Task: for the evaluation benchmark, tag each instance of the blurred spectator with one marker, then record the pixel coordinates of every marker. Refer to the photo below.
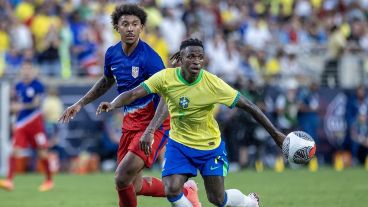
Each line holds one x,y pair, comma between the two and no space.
154,38
356,117
286,107
48,56
359,135
21,36
86,52
290,67
4,37
336,45
169,24
110,139
66,40
25,11
154,16
230,70
308,108
258,34
52,108
215,49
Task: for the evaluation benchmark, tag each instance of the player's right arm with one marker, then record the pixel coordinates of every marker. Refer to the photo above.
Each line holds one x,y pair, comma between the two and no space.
162,112
151,85
123,99
261,118
97,90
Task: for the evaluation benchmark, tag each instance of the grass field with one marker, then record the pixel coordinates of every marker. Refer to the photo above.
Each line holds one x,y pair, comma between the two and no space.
296,188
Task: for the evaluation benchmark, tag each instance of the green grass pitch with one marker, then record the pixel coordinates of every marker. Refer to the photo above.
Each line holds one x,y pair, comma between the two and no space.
294,188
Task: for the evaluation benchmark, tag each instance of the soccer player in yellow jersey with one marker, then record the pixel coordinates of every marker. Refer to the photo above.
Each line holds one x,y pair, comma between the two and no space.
190,93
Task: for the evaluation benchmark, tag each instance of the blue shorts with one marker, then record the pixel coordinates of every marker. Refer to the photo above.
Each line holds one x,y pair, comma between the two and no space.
180,159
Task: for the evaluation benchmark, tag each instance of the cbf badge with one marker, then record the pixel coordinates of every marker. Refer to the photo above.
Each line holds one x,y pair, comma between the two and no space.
135,71
184,102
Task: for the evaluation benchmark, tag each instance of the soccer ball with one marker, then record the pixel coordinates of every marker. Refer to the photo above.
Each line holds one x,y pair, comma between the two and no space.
298,147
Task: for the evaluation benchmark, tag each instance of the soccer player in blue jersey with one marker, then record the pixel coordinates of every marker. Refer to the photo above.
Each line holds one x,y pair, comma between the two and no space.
29,128
190,93
129,63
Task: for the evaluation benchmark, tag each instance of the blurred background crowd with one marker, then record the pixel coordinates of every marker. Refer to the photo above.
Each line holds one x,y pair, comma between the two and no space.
303,62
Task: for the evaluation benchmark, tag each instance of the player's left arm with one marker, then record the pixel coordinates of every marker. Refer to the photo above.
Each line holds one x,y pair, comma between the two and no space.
36,102
261,118
123,99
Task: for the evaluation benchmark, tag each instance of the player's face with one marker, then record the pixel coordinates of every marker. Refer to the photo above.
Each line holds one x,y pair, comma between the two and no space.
129,27
192,59
27,73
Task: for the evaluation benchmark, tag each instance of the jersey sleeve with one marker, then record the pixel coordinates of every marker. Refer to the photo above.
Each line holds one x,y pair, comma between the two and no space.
154,84
39,88
154,64
224,93
107,67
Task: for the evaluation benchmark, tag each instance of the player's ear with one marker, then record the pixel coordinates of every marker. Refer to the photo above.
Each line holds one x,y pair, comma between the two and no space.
181,55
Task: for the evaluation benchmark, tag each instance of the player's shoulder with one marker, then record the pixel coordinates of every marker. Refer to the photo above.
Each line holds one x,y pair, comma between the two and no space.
37,83
113,49
19,84
167,71
146,48
213,80
208,75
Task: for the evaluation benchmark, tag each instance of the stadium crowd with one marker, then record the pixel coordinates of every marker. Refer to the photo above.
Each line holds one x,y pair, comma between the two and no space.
262,48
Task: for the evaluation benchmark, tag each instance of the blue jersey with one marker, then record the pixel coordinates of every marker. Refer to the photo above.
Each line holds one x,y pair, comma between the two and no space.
129,72
26,94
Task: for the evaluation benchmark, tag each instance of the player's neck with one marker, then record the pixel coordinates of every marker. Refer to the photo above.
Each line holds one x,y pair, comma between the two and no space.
27,81
189,77
129,48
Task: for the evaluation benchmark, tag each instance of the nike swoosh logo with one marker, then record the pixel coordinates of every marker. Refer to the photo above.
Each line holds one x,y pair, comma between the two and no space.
113,68
214,168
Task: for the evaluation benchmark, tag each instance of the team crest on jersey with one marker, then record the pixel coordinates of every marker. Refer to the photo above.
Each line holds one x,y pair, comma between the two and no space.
30,92
184,102
135,71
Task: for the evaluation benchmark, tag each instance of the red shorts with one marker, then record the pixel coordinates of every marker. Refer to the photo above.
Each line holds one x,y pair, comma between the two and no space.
30,133
129,141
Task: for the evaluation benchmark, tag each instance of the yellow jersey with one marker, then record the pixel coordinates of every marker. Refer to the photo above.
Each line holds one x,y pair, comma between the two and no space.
191,105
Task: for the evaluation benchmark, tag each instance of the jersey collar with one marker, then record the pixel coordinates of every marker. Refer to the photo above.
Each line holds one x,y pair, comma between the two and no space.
199,78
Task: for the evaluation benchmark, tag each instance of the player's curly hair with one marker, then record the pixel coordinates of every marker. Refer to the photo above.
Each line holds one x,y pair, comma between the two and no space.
128,9
185,43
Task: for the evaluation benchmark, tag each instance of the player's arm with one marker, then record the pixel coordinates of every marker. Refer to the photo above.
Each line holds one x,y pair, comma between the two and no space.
261,118
97,90
36,102
162,112
122,100
17,106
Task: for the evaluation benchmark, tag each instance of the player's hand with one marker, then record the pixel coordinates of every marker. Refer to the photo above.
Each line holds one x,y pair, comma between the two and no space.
146,142
104,107
280,138
70,113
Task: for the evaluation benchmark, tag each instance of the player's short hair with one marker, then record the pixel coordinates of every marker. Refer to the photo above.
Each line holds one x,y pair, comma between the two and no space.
184,44
128,9
190,42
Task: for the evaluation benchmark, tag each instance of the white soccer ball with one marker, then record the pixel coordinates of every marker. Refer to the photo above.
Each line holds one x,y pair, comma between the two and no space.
298,147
